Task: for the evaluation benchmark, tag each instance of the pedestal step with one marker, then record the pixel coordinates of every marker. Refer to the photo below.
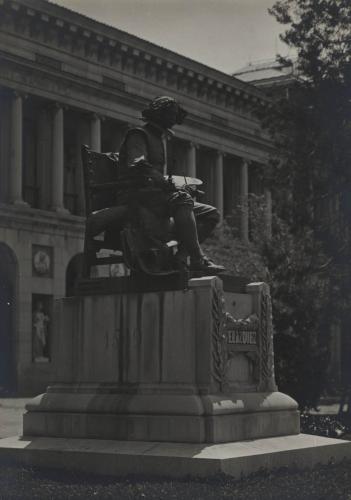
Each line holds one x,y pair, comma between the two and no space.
175,459
172,428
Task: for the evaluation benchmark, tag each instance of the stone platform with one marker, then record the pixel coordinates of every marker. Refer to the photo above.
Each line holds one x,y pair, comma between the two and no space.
166,383
152,459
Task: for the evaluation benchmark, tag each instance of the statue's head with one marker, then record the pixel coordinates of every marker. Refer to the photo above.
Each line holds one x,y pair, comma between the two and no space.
164,111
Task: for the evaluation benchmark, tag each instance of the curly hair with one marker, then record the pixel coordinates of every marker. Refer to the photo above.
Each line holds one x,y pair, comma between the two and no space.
159,106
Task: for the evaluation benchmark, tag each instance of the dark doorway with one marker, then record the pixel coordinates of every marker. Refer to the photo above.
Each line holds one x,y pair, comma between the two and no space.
8,278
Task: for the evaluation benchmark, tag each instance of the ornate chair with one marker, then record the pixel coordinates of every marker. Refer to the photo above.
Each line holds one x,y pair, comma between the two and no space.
100,183
142,240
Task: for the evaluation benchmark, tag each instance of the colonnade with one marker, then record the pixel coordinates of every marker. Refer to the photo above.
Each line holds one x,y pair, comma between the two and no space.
57,163
15,187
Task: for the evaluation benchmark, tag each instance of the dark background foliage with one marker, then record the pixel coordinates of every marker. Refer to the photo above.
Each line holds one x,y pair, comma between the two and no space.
307,260
310,177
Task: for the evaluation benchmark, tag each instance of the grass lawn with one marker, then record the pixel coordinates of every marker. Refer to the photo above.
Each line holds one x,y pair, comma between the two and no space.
330,482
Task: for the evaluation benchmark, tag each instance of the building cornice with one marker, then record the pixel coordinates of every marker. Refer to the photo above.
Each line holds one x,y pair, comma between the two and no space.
81,36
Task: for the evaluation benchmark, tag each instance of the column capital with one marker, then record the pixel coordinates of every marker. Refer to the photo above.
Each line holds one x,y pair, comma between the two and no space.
57,106
194,145
18,93
97,116
246,161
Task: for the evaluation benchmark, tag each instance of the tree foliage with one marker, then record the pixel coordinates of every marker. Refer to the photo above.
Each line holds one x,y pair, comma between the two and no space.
319,32
307,260
310,175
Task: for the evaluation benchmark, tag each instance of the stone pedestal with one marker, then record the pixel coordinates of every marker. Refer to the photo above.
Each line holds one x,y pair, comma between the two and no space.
170,366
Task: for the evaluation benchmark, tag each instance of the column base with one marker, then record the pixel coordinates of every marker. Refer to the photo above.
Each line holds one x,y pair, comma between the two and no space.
60,210
20,203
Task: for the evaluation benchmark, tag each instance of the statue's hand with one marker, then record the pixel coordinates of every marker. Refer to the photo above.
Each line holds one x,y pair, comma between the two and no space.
192,190
188,188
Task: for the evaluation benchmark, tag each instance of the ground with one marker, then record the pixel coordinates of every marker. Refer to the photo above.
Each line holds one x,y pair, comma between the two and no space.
332,482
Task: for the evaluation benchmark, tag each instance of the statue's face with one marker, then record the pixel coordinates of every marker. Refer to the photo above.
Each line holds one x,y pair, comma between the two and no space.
169,117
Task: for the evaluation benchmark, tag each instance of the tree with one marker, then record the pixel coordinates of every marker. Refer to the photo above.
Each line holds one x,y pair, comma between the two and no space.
310,177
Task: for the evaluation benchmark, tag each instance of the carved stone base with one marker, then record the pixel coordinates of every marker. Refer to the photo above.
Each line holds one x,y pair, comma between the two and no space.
164,366
167,417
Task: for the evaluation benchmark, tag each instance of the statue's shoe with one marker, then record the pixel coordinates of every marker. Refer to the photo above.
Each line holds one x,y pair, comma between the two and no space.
206,267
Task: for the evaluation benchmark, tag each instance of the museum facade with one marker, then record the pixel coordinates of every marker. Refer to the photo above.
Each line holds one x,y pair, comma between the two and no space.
68,80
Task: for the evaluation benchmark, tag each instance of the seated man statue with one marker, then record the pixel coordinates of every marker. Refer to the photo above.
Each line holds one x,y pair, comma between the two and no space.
142,166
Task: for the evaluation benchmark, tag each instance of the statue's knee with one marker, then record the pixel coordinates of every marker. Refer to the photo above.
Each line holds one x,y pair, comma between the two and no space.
207,223
213,218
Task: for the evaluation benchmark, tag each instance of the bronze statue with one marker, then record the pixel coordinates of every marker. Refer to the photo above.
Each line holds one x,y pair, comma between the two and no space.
150,208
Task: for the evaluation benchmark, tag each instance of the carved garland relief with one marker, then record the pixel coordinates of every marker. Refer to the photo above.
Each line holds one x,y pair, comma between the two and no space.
242,349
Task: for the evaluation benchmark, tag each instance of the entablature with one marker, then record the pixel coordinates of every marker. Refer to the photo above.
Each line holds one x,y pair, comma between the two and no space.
124,106
72,33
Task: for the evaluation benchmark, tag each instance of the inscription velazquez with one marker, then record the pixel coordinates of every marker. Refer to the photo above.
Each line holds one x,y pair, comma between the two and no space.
242,337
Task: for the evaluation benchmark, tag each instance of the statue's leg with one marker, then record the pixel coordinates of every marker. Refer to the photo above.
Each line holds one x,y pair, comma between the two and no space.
207,218
186,232
108,218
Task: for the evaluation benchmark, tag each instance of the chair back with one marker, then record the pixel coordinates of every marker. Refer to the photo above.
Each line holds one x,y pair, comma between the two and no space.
100,171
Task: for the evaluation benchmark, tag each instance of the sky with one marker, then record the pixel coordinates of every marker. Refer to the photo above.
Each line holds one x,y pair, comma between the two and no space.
223,34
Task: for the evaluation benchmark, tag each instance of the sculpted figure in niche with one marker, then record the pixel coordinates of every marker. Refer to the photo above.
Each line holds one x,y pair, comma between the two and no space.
143,168
40,332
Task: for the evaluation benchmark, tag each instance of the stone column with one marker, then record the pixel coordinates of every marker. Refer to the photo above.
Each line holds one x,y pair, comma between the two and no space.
268,212
43,160
16,152
191,160
244,191
58,160
219,184
95,133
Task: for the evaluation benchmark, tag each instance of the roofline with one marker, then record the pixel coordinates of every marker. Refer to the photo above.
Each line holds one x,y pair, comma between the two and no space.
72,17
